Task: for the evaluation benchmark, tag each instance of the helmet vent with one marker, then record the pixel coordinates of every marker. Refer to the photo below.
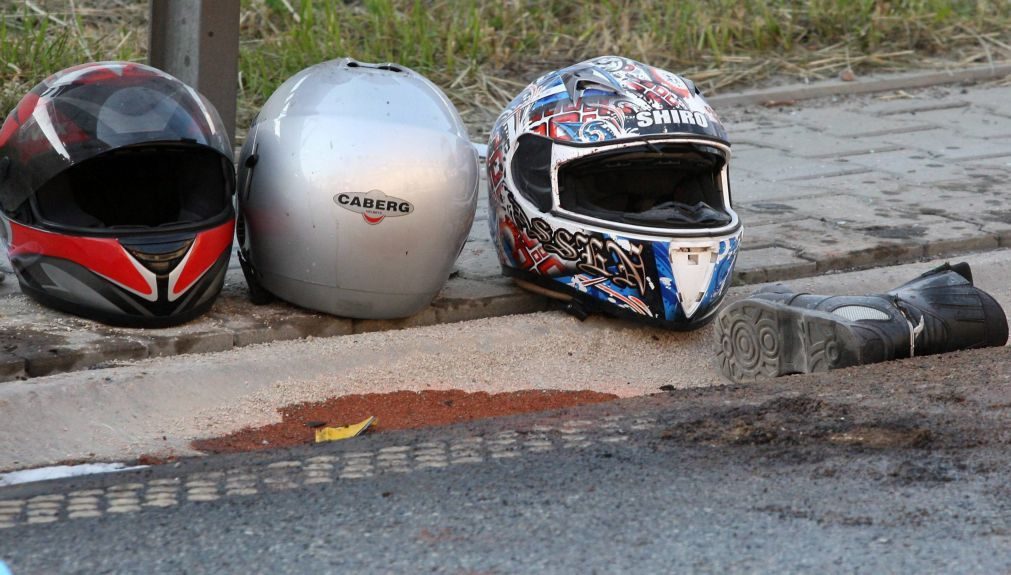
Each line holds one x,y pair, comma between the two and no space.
161,258
581,78
240,230
385,67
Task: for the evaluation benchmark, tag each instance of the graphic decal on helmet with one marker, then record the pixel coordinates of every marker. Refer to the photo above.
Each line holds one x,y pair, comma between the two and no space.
112,261
206,249
374,205
617,269
608,183
103,256
593,254
648,97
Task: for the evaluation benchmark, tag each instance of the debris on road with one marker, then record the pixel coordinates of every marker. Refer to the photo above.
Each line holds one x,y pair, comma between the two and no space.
779,103
60,472
327,434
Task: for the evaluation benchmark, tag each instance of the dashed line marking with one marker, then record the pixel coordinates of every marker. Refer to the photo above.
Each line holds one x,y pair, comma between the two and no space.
126,487
43,519
200,483
206,486
284,464
159,483
123,509
280,483
439,463
161,503
45,498
44,505
471,459
81,507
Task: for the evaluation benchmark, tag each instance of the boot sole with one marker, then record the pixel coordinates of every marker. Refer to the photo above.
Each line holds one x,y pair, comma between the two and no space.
758,340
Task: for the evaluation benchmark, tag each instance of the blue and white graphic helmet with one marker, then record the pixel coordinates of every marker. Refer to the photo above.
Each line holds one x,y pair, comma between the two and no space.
608,185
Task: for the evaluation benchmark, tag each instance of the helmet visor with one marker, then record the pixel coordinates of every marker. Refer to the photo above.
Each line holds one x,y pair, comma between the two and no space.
659,186
165,186
87,111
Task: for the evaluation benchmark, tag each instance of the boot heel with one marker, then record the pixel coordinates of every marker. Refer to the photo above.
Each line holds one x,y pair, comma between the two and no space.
759,339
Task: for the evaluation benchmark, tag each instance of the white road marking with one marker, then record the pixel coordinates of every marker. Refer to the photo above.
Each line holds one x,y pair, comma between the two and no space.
293,474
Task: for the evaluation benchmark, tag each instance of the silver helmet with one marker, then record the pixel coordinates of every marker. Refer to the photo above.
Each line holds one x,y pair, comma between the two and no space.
357,190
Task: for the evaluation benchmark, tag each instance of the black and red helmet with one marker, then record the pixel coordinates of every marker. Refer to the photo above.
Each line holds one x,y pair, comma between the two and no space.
116,184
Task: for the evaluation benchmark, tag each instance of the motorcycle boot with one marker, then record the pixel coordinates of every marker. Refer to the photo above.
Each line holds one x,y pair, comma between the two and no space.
777,331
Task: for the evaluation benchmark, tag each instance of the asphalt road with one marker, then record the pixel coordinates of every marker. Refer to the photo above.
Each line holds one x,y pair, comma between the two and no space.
897,467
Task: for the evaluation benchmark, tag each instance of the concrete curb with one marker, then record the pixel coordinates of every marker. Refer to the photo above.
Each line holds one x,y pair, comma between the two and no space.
44,342
861,86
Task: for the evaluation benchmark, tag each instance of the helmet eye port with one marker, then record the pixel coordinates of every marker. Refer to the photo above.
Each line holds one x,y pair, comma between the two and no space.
655,185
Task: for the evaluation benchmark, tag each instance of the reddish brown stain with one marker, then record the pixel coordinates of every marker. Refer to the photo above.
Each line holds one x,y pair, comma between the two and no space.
397,410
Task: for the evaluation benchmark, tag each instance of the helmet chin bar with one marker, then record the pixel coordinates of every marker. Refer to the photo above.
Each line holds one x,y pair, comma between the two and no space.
692,268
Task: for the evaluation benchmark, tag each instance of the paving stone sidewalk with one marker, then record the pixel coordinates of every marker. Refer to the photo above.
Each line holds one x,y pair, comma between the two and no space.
822,185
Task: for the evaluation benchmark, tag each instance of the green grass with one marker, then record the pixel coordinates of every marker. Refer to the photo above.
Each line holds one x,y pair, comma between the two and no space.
482,51
34,45
30,49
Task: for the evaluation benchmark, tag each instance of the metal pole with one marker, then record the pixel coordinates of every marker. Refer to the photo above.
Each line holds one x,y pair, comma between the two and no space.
197,41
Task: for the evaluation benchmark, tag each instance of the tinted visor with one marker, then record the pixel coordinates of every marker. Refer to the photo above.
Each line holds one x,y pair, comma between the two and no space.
90,110
660,185
139,187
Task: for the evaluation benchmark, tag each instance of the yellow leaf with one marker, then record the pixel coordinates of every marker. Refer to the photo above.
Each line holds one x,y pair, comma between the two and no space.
325,434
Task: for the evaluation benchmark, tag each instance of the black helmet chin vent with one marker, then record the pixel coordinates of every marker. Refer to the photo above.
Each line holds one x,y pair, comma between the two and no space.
159,257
